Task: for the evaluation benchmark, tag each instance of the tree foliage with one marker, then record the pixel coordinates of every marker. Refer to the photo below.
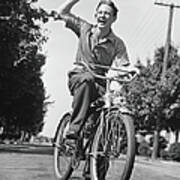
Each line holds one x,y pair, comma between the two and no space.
22,92
153,102
156,103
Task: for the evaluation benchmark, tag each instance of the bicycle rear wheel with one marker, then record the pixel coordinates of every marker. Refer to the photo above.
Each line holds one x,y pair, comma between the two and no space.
62,154
113,149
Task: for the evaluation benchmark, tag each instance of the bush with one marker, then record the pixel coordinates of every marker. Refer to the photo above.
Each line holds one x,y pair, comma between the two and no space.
164,155
174,151
144,149
162,144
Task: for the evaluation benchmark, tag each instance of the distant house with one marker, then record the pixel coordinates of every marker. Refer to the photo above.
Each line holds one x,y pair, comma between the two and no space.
41,140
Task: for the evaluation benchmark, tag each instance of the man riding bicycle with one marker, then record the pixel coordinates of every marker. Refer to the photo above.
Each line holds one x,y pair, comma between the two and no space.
97,45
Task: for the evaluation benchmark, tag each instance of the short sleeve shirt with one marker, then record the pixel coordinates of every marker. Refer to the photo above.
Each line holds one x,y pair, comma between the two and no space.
104,52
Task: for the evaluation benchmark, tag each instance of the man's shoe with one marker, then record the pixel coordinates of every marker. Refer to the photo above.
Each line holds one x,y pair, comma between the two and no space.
86,176
72,135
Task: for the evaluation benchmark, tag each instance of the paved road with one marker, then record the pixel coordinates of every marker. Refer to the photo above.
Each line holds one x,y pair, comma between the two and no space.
19,166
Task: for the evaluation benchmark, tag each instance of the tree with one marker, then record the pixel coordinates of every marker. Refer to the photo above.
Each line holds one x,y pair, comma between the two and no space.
23,100
173,82
150,99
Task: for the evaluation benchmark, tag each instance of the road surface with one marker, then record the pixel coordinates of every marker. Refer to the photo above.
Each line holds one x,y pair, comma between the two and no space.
21,166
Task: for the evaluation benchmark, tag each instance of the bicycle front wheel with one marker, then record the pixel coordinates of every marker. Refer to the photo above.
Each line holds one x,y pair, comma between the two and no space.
113,149
62,154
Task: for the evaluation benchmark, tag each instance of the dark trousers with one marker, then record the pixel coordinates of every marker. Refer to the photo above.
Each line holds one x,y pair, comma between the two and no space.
85,89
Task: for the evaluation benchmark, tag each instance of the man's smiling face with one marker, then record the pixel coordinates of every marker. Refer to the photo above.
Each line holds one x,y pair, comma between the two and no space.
104,16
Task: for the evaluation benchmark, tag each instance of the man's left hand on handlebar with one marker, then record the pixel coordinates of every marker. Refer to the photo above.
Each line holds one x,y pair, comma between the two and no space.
124,72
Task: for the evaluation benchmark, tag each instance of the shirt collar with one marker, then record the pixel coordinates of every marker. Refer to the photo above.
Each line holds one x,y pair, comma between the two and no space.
110,36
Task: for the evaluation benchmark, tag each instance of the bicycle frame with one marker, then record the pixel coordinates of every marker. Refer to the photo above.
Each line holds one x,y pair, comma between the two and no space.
109,95
105,126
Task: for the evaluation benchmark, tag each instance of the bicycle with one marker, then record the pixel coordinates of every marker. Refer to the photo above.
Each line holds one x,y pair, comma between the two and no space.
112,144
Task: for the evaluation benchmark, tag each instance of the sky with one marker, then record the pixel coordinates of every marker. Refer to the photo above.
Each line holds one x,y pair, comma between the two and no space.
141,24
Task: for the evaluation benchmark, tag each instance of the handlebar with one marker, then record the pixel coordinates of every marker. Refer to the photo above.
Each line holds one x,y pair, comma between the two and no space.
119,79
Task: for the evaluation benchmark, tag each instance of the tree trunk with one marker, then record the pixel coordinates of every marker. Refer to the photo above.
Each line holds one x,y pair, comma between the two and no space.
176,136
155,144
22,136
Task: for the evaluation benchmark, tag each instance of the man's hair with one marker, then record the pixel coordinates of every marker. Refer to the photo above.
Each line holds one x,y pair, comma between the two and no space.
109,3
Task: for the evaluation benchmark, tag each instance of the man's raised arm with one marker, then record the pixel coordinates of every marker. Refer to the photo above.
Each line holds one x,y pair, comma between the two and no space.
65,8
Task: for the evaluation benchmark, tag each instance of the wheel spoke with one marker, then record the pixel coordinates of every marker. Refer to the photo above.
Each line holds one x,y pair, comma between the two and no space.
113,150
62,151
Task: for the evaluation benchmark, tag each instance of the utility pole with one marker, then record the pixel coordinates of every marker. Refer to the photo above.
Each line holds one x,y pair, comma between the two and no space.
168,38
164,69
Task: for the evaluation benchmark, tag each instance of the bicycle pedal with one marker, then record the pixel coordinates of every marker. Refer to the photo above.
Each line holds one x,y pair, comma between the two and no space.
82,156
86,176
75,162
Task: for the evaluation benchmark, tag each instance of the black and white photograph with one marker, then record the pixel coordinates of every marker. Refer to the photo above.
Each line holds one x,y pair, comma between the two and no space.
89,89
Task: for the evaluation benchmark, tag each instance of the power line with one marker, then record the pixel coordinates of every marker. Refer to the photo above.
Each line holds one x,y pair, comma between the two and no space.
157,34
146,21
140,23
144,42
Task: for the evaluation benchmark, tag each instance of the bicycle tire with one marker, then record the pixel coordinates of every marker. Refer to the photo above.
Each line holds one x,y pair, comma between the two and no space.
124,161
61,174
